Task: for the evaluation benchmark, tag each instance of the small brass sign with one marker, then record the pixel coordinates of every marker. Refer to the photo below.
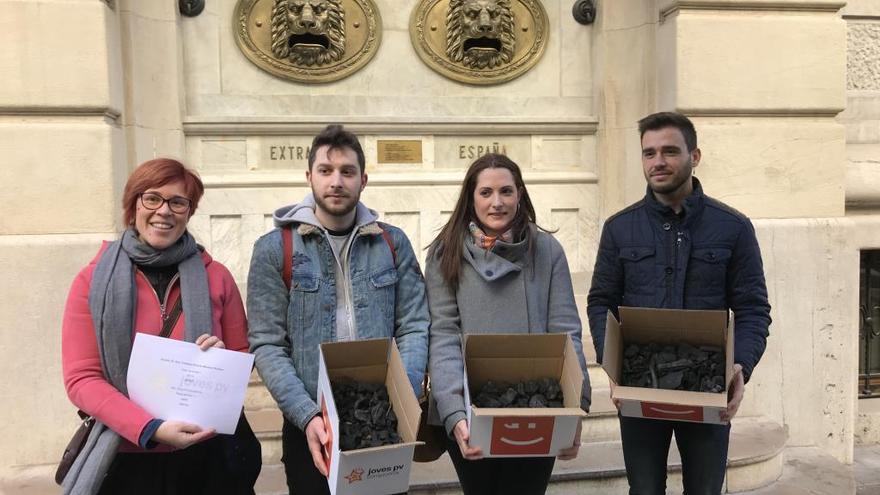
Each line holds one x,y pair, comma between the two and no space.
400,151
310,41
479,41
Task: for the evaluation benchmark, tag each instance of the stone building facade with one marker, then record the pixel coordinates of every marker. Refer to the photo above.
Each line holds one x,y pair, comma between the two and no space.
785,95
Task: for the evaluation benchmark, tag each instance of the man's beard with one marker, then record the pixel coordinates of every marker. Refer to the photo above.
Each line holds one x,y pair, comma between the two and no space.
684,175
337,210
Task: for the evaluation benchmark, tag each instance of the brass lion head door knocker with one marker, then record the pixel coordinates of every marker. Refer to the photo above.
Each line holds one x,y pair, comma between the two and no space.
311,41
480,41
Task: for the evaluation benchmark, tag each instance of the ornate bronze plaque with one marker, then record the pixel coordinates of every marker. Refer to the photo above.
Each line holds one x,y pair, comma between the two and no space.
311,41
399,151
480,41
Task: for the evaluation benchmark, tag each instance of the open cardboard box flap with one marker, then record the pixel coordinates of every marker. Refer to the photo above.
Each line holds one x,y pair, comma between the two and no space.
667,326
512,358
376,470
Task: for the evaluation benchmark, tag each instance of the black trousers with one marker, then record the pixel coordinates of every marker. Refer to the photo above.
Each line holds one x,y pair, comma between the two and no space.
303,478
299,468
198,469
222,465
504,476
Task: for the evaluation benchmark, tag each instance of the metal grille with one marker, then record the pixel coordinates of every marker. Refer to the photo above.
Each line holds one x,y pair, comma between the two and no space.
869,324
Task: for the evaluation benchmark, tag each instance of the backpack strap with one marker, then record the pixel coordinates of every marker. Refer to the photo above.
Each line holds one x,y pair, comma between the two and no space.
287,253
387,237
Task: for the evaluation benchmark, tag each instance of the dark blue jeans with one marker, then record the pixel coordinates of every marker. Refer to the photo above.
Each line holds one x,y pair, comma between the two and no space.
703,449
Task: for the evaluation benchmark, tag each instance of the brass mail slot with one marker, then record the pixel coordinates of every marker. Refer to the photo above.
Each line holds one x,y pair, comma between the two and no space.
400,151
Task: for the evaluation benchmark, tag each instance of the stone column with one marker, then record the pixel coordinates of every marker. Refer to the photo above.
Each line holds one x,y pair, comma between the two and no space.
763,81
624,75
90,89
63,163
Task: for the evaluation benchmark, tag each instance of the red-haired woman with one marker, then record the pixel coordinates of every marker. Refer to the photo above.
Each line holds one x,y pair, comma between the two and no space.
138,283
491,270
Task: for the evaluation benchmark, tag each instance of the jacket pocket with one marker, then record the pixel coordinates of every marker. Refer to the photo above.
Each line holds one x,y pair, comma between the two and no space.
384,278
708,268
384,284
638,264
303,315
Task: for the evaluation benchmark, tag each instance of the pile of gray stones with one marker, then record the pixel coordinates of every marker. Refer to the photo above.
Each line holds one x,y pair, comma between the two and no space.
366,418
545,392
674,367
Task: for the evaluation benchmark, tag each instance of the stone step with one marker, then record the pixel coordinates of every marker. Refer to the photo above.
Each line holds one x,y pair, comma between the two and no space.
257,396
810,471
804,470
756,460
601,425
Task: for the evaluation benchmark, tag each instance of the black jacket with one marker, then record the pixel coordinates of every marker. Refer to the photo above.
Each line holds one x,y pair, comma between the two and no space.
707,257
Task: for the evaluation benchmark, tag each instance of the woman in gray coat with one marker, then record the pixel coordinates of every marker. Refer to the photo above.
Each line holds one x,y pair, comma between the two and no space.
490,270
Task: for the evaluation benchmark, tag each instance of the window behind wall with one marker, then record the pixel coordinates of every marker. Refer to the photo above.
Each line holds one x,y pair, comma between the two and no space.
869,324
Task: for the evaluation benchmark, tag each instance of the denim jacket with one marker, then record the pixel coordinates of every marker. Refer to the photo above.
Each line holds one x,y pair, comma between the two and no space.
287,327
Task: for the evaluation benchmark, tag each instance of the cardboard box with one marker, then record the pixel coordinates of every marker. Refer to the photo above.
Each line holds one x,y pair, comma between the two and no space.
668,326
377,470
512,358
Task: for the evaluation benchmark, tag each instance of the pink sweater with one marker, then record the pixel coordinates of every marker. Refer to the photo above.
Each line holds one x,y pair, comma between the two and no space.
83,377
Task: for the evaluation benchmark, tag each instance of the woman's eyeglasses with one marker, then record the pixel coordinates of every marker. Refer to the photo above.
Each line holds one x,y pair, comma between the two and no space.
153,201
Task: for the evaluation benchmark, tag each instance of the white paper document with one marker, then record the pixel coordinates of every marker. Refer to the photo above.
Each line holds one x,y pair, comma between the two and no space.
176,380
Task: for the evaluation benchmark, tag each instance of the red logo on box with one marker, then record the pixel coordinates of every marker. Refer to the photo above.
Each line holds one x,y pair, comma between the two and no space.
522,435
672,411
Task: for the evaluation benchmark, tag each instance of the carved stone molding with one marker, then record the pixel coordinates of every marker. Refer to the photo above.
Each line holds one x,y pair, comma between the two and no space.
285,179
196,127
672,6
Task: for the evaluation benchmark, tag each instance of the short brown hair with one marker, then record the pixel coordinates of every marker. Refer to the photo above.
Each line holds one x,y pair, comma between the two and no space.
336,137
156,173
661,120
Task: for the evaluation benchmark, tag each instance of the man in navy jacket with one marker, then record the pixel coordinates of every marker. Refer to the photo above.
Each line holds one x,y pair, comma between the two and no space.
677,248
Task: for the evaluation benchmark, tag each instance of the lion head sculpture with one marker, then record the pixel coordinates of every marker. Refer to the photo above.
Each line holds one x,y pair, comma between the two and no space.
479,33
308,32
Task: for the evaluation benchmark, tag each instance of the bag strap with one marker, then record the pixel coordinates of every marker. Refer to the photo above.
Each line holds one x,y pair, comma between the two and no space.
172,318
287,263
387,237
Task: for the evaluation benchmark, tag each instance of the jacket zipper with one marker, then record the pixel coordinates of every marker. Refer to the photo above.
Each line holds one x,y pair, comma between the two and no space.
349,303
676,249
673,263
163,304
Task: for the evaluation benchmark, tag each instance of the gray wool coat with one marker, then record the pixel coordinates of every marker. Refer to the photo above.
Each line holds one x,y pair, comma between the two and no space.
502,290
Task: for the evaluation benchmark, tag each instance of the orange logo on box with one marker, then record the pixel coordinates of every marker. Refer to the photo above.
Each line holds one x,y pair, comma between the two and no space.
357,474
672,411
522,435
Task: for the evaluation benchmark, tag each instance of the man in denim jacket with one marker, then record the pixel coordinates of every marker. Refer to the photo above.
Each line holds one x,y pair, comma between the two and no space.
677,248
349,282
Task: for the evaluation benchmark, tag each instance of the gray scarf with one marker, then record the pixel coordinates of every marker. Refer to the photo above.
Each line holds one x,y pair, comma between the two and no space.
112,298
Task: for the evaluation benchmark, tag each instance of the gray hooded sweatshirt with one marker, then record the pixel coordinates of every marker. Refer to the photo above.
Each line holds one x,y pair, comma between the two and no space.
304,212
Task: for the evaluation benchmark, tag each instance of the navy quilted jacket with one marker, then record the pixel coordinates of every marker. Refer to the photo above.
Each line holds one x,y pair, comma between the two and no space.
707,257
